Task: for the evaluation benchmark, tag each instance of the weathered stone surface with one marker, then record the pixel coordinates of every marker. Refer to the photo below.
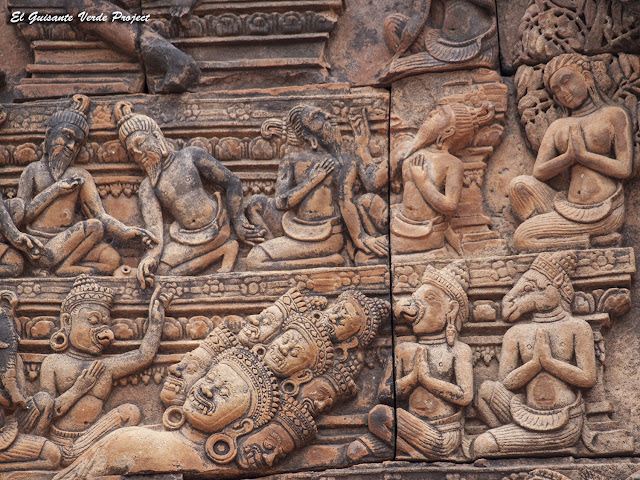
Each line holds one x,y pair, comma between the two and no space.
319,239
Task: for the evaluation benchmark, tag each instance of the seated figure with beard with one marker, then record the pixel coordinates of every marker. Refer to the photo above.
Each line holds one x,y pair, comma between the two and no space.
201,231
314,201
238,395
78,380
53,191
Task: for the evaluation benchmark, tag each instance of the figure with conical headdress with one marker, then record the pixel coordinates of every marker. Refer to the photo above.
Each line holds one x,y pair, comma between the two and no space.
53,192
536,405
434,374
80,379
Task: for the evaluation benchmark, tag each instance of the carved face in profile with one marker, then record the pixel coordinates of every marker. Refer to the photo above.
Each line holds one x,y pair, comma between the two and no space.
437,123
533,292
319,395
569,87
321,124
88,327
345,319
182,376
262,327
147,149
289,353
222,396
62,144
427,309
265,447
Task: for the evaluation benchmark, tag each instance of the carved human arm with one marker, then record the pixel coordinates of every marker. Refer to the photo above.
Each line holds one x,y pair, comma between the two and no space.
405,382
459,393
510,374
373,175
152,216
81,386
621,165
583,374
26,243
219,175
361,240
92,205
136,360
447,202
288,194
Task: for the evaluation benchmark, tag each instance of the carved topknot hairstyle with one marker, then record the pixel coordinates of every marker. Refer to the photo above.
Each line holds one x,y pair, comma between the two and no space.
265,405
558,267
86,290
129,122
375,310
75,114
454,281
294,129
577,62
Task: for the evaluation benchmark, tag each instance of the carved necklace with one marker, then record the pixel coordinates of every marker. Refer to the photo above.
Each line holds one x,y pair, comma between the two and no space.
554,315
434,339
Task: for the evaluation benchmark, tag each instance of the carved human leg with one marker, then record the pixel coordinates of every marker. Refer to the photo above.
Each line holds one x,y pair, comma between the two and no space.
181,259
74,444
288,253
382,427
180,71
529,197
66,251
11,261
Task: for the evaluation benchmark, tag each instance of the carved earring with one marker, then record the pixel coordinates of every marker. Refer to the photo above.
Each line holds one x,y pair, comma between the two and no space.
221,448
173,418
439,141
314,142
450,333
59,341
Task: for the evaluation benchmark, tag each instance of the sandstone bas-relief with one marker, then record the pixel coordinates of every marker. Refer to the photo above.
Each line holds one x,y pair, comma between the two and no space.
257,363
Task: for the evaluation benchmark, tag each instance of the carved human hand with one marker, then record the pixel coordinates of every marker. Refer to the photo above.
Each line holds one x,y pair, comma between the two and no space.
417,167
576,142
146,267
424,373
321,169
542,347
89,377
147,238
182,8
361,130
70,184
377,245
160,301
31,246
249,233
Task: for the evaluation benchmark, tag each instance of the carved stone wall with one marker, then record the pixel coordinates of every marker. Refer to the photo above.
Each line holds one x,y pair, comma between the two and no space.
319,239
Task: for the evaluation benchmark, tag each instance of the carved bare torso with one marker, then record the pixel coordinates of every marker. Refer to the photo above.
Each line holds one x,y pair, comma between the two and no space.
65,370
181,192
438,165
62,212
319,203
598,131
545,390
441,359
